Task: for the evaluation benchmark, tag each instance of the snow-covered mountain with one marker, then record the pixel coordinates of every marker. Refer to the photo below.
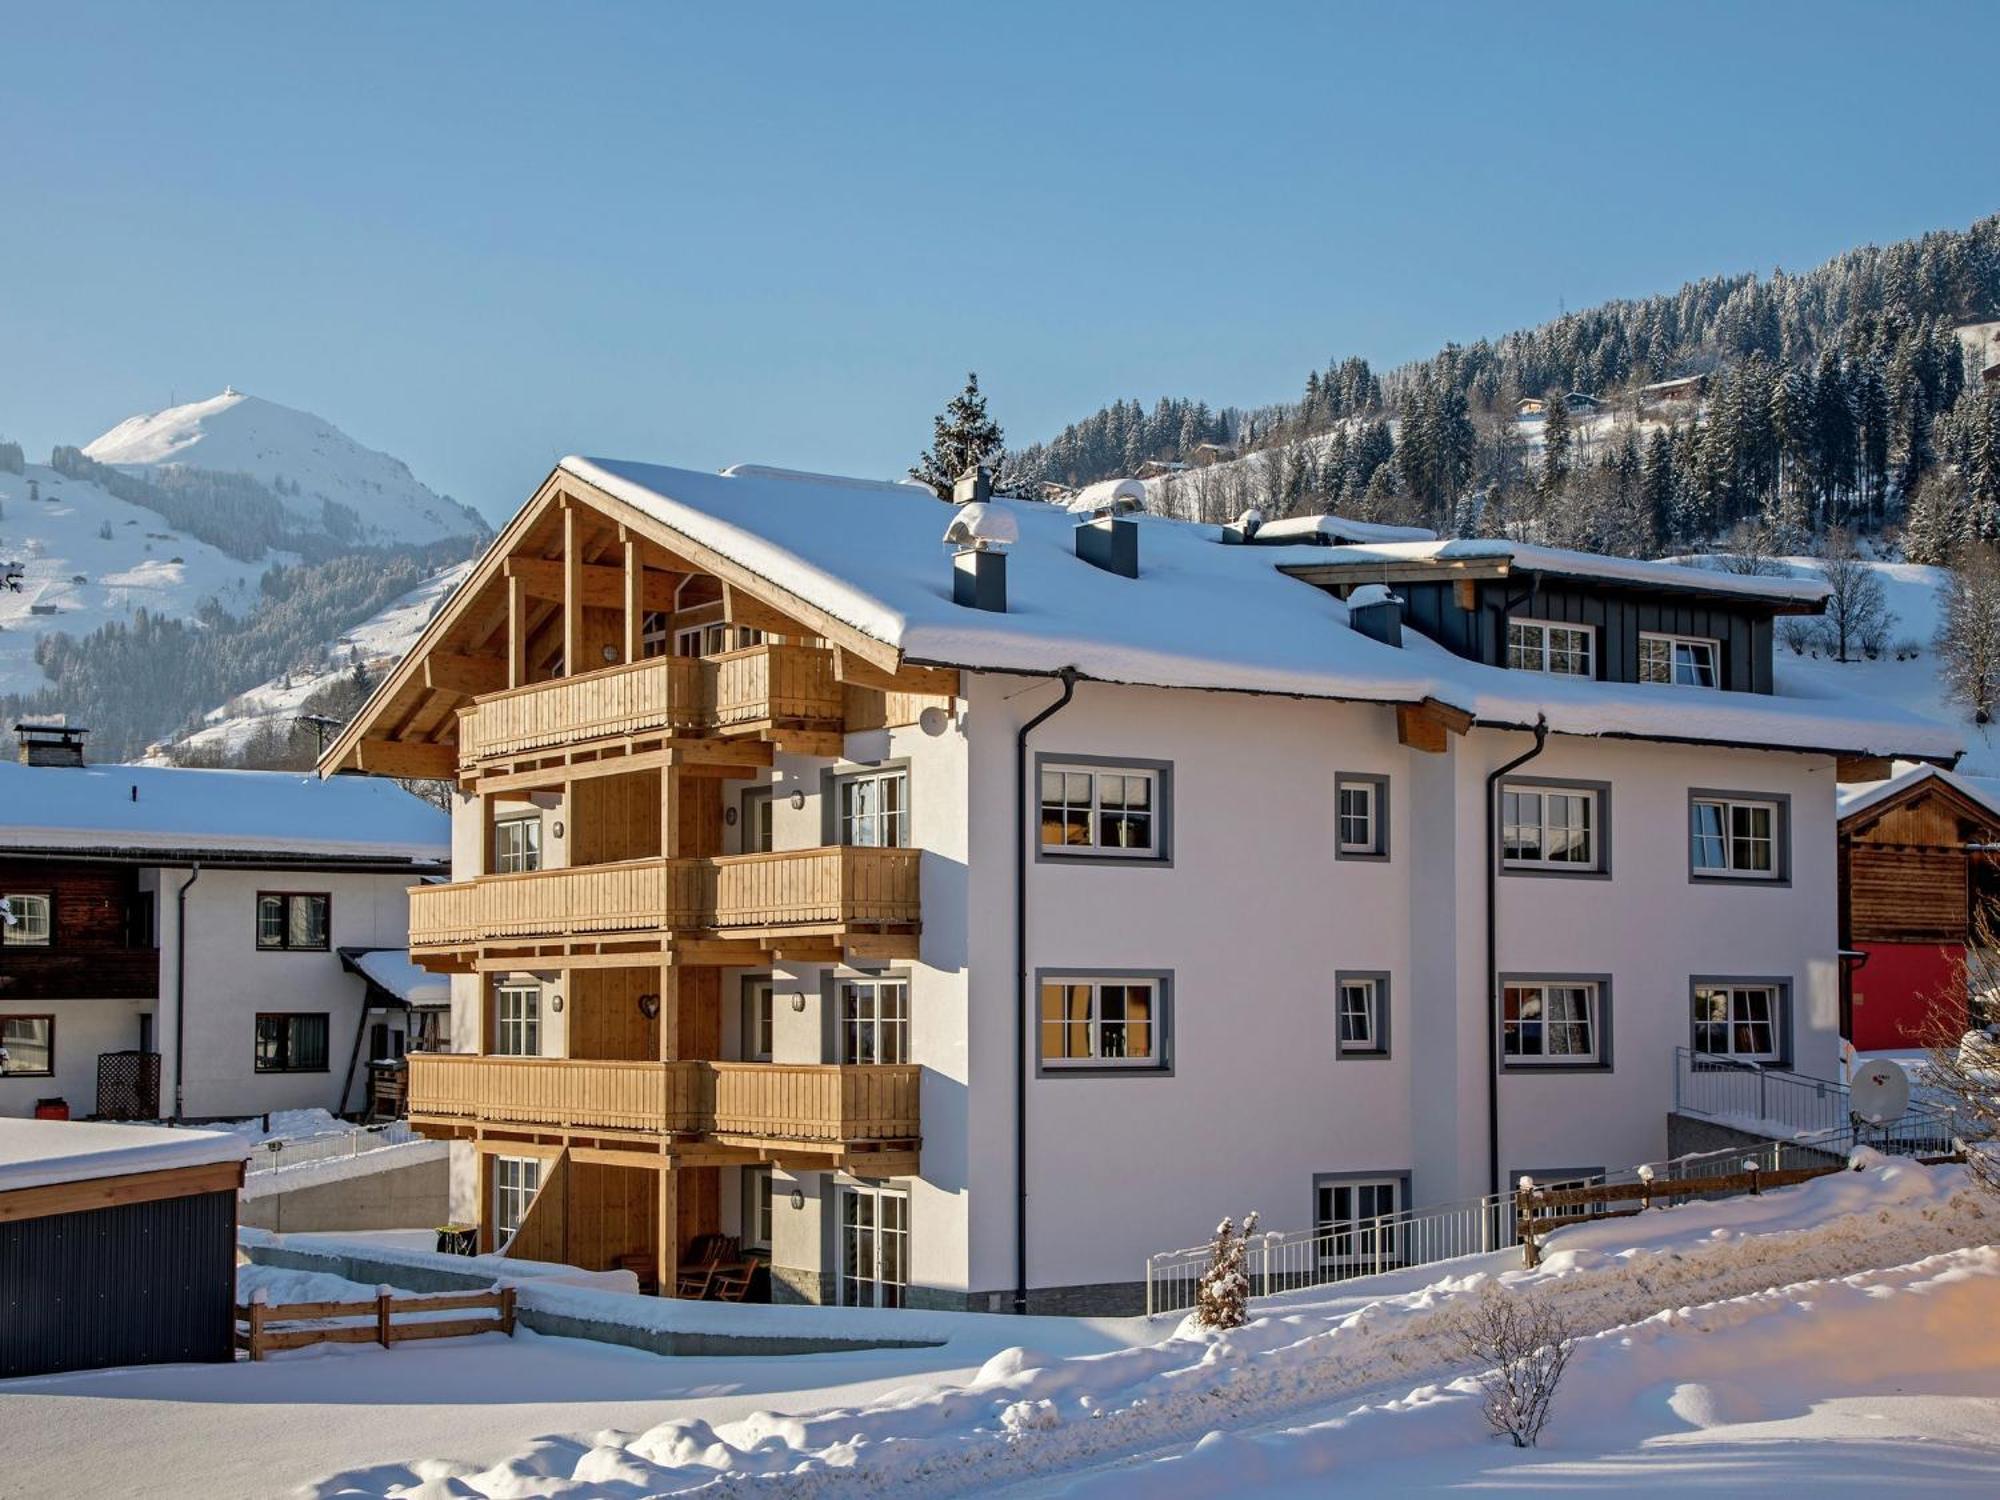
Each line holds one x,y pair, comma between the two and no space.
304,459
376,645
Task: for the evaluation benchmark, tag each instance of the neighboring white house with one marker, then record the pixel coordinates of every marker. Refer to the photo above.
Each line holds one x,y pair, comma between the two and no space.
197,943
1260,818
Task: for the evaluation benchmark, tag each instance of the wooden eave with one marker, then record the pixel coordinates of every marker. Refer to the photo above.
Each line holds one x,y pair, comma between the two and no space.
410,722
1966,809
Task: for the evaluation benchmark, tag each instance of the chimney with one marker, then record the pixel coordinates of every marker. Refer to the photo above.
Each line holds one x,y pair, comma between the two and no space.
1110,543
981,532
1245,529
55,744
974,487
1376,613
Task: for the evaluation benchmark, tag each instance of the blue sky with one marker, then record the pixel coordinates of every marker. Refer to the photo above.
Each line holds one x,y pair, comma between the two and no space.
481,236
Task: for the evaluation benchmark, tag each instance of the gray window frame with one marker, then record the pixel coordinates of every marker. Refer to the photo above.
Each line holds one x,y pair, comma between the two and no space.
745,1015
1398,1175
1606,1011
832,778
1380,853
1162,771
1787,1049
1602,789
751,800
517,820
1161,979
1380,978
1781,838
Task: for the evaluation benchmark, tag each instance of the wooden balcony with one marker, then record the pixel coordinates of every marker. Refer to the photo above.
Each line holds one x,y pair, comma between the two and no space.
785,693
808,1114
837,894
79,973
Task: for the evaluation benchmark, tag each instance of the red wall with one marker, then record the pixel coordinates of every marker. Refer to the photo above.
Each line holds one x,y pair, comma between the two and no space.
1894,990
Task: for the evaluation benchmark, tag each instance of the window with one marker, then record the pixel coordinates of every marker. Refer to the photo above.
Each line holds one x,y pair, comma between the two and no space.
758,827
517,845
1361,813
1550,828
1550,1023
1735,838
875,810
1112,811
714,639
1541,646
27,1046
517,1014
25,920
292,920
1685,661
516,1180
1363,1015
874,1020
757,1008
1117,1021
1741,1021
756,1190
1353,1218
653,633
293,1043
874,1247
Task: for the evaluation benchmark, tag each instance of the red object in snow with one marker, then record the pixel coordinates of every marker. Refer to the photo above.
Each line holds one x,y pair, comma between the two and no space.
1894,990
52,1109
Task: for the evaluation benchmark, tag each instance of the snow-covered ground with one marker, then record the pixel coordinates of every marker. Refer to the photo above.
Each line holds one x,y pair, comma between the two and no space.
1711,1380
380,642
239,434
90,580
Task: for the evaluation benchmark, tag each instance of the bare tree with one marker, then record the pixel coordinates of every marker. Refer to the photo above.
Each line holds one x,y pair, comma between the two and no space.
1522,1345
1222,1296
1749,553
1968,638
1857,610
1962,1037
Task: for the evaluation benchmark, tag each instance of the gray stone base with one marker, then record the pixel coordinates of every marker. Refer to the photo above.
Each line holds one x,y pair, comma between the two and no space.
1108,1299
413,1196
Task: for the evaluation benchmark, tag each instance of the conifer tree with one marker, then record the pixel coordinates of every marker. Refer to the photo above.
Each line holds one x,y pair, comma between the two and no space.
963,436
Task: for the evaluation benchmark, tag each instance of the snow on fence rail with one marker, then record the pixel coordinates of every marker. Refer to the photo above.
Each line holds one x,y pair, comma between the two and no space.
1299,1259
309,1320
282,1152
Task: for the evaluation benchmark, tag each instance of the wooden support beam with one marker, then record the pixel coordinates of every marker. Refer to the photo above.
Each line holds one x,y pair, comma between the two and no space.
517,633
670,1010
602,584
740,608
667,1234
1863,768
392,758
1427,725
880,947
939,682
634,605
464,674
1465,593
572,594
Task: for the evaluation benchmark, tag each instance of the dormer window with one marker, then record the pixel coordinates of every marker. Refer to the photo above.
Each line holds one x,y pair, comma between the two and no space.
1545,646
1683,660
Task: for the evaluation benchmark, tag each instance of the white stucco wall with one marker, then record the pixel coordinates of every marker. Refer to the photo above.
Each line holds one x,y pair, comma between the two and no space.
83,1028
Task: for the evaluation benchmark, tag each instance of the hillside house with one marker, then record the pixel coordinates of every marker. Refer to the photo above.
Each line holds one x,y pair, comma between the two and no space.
1205,454
1919,856
1665,392
181,943
1530,409
958,929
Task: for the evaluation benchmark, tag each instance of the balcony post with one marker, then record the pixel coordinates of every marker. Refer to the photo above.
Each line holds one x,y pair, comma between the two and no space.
670,1010
517,631
634,613
573,662
484,1045
667,1231
670,807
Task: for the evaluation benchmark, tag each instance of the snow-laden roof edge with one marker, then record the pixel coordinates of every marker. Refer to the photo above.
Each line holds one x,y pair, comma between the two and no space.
41,1153
1568,564
1859,796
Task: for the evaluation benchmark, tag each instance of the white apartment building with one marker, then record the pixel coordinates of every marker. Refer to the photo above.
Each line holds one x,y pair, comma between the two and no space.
956,925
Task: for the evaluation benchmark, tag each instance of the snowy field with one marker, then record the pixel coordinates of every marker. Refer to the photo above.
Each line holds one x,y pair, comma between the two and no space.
1732,1388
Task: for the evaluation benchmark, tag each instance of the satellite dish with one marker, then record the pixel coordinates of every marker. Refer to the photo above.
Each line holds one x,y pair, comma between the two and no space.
1879,1092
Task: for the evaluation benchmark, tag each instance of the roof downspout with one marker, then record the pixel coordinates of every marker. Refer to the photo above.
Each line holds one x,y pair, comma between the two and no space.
1493,949
180,982
1022,999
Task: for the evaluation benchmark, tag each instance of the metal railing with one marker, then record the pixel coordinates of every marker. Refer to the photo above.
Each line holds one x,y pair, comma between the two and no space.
1775,1101
274,1154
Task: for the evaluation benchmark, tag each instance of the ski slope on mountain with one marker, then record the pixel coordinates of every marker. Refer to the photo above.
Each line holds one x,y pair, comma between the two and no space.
377,644
73,578
236,433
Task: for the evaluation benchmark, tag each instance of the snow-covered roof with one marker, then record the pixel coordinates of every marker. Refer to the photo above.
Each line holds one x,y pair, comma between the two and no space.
174,810
1527,557
1199,615
1860,796
391,969
39,1153
1337,529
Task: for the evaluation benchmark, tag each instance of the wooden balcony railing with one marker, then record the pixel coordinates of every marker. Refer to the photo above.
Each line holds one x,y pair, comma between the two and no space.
797,889
79,973
813,1105
682,695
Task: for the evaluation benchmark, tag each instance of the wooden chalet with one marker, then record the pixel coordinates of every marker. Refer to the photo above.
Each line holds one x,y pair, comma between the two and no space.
1917,861
598,656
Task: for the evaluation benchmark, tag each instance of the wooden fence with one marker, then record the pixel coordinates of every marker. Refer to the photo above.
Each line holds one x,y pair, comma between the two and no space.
262,1325
1538,1211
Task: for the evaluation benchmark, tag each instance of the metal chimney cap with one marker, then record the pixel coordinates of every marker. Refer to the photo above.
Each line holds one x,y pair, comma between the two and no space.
982,528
